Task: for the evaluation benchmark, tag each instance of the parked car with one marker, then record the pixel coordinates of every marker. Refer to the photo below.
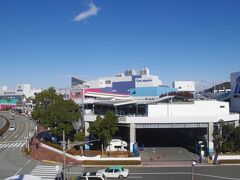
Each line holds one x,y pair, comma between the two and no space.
117,145
114,172
44,136
12,128
92,176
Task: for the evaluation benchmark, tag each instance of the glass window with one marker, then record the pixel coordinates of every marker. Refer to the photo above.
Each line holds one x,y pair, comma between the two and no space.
110,170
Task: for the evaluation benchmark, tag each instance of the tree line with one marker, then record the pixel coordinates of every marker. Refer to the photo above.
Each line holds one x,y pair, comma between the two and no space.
226,137
57,114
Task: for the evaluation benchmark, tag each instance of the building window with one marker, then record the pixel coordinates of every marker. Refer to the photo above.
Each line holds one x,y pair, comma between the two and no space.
222,106
108,82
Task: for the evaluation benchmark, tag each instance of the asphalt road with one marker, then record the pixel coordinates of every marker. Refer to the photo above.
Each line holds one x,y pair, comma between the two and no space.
183,173
12,159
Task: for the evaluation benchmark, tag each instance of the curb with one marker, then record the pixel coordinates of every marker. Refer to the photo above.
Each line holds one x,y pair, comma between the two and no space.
51,162
90,166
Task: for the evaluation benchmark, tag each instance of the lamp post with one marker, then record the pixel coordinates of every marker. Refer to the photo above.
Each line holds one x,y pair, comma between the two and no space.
64,153
192,171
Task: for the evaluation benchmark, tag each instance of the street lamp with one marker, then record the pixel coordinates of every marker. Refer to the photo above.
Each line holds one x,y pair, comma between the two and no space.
192,172
64,155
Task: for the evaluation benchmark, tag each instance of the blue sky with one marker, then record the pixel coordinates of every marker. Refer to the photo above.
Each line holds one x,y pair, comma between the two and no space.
44,42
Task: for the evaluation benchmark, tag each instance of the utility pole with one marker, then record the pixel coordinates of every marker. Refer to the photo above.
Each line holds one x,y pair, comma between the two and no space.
64,149
192,171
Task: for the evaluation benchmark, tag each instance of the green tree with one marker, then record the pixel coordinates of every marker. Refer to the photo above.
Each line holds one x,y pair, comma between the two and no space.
217,138
62,114
42,102
223,137
54,112
228,137
237,138
80,136
104,128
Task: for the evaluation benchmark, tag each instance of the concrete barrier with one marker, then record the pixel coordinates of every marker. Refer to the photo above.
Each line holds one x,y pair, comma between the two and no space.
95,158
5,127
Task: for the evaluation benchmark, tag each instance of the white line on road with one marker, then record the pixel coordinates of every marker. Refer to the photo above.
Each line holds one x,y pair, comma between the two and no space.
23,166
186,173
134,177
219,177
163,173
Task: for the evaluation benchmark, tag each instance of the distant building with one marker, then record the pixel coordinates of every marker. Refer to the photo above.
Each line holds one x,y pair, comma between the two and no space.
186,86
76,82
27,91
11,98
122,83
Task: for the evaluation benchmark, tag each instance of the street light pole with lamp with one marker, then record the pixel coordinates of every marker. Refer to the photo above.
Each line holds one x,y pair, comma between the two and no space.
192,171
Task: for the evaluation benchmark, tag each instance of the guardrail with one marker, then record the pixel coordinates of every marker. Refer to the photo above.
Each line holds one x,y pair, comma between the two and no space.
5,127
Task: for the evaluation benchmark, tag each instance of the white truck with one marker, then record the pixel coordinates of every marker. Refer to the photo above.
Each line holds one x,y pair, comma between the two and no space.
117,145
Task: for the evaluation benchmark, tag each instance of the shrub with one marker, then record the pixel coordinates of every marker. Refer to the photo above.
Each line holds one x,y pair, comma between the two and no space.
56,146
27,152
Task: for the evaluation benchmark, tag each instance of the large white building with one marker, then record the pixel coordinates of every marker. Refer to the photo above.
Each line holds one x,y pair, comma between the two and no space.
186,86
26,90
164,113
121,83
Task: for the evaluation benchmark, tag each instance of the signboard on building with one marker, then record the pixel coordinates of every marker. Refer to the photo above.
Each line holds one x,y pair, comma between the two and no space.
235,92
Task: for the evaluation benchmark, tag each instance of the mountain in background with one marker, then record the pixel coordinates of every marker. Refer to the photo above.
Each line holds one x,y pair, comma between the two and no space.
219,87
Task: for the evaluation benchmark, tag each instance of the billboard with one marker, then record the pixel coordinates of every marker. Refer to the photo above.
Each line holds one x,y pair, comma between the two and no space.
235,90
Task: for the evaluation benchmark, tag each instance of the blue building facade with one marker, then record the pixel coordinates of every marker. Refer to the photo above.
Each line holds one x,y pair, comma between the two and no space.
151,91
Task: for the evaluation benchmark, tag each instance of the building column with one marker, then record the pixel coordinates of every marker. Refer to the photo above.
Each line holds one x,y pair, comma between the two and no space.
210,138
132,136
86,126
236,123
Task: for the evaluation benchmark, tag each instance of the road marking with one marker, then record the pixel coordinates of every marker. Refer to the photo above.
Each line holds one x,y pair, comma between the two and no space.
15,144
134,177
219,177
23,166
1,145
162,173
188,173
46,172
5,145
11,145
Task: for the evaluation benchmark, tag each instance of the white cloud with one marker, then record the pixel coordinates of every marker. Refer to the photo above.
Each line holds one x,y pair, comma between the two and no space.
92,11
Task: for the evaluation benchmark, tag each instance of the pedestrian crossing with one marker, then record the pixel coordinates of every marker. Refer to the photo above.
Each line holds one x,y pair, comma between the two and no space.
11,145
47,172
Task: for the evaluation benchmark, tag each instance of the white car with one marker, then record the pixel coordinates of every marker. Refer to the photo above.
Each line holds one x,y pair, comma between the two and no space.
92,176
114,172
12,128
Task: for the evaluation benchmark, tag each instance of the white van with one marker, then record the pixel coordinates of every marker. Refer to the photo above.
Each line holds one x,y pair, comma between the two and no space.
117,145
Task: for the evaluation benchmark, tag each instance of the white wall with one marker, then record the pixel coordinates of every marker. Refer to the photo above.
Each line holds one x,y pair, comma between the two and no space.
198,108
148,81
164,120
184,85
